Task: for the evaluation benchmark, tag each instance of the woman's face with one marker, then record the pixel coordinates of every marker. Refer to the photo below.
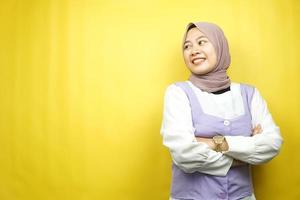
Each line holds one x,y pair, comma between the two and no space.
198,52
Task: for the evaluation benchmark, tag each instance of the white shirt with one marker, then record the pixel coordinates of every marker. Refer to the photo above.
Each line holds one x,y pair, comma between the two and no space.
190,155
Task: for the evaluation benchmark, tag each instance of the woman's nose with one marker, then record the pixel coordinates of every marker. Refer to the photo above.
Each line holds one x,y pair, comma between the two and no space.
195,51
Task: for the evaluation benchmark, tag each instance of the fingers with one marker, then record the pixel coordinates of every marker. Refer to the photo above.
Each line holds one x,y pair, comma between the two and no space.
237,163
256,130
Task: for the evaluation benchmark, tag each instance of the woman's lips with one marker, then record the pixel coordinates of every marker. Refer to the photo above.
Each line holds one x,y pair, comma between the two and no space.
198,61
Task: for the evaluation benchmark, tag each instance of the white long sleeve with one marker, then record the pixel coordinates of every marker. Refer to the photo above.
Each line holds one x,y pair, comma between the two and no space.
178,136
261,147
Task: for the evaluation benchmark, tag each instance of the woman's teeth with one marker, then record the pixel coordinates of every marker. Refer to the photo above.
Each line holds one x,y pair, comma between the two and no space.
198,61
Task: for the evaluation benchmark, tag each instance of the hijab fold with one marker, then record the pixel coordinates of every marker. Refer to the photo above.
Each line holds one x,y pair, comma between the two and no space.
217,79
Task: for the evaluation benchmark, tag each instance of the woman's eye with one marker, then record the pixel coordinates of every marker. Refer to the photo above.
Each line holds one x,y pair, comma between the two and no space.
201,42
186,46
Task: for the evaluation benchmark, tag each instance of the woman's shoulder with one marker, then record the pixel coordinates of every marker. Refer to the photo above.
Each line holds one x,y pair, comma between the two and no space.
175,95
243,85
235,83
176,85
174,89
251,91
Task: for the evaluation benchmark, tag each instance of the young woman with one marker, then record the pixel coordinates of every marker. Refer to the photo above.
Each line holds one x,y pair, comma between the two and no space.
214,128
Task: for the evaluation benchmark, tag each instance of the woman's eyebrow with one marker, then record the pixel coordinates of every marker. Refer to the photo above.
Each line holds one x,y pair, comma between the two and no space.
202,36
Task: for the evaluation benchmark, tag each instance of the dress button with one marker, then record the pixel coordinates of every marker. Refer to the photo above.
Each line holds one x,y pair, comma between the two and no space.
226,122
223,195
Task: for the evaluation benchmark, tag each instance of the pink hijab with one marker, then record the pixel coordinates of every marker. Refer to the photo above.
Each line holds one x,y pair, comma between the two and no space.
217,79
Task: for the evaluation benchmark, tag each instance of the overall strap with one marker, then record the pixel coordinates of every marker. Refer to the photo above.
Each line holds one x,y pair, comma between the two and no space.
247,94
194,103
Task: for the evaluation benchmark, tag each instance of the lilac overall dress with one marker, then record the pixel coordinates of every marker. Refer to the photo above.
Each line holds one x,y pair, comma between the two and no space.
237,184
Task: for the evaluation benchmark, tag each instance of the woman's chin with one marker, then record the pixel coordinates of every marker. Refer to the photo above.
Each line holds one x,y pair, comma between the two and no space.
200,70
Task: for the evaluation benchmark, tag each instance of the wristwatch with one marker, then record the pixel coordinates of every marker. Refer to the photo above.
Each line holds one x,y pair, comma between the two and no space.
218,140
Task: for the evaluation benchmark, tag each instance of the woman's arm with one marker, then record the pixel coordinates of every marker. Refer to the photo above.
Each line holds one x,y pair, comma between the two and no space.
178,136
224,147
209,141
260,148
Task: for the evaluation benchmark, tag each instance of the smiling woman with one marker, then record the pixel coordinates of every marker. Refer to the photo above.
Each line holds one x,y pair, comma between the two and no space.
198,52
215,129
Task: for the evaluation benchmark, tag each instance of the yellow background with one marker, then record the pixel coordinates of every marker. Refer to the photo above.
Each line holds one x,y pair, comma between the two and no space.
82,85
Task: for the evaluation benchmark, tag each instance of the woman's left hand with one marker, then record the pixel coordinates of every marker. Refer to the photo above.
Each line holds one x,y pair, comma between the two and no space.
256,130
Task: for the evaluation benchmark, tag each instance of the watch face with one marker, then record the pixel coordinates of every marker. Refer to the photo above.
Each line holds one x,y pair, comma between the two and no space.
218,139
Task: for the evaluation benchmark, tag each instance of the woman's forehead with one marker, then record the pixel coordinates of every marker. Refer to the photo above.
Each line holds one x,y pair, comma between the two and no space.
194,33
